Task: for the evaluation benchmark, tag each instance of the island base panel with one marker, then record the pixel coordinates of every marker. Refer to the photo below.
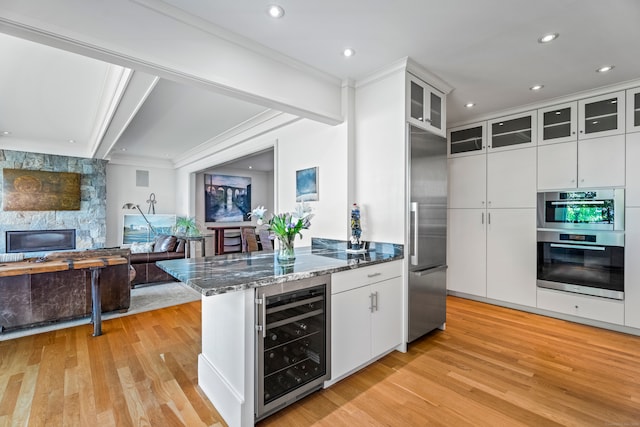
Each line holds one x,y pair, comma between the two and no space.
234,410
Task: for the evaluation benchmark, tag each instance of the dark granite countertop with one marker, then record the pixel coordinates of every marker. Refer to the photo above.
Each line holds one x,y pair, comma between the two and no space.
234,272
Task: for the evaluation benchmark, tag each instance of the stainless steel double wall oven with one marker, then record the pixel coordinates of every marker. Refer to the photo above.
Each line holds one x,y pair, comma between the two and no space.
581,241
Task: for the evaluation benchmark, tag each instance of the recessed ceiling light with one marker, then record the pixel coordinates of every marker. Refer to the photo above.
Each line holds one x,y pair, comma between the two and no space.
123,149
250,167
536,87
469,105
72,141
6,132
548,38
348,52
605,69
275,11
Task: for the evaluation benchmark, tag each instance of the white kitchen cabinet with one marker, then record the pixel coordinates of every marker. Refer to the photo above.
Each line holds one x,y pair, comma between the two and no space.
601,162
492,254
511,179
602,115
588,163
366,316
512,132
589,307
467,251
558,123
511,255
504,179
467,140
557,166
633,110
632,268
350,330
426,106
467,181
632,170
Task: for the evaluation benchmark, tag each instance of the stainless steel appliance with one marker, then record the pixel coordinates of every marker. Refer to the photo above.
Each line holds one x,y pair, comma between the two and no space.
581,241
292,342
596,209
589,262
428,232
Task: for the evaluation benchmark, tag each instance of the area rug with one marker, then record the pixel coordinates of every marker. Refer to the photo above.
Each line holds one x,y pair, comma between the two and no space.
143,298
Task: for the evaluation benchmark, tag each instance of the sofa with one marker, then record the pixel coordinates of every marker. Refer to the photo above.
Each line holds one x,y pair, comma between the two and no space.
164,247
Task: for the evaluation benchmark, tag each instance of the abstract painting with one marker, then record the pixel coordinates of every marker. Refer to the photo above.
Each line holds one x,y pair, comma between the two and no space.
307,185
227,198
31,190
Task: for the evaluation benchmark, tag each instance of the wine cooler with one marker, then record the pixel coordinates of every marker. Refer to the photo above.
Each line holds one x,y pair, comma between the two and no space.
293,338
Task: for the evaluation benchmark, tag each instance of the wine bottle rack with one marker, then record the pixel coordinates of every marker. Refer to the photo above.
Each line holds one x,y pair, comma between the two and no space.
292,343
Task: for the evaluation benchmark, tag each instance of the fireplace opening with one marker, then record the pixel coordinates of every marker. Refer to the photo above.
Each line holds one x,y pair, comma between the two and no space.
40,240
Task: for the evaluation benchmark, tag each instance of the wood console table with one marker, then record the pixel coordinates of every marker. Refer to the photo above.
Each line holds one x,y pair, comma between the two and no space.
33,293
230,243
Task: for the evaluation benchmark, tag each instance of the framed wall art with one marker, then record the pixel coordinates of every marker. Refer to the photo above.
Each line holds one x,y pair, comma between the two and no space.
307,185
136,229
32,190
227,198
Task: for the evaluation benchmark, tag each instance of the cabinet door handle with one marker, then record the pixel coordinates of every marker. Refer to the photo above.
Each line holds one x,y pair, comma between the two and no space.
375,300
489,218
374,275
371,306
482,217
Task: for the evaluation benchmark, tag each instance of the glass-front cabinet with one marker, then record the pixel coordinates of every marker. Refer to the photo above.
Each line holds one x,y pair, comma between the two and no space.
516,131
426,106
558,123
633,110
601,115
467,140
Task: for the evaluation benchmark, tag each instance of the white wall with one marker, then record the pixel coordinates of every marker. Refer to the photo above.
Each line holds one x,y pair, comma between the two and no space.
307,144
298,144
380,157
121,189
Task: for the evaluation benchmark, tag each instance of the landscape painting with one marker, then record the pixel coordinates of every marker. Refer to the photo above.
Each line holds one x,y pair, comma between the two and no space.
31,190
136,228
227,198
307,185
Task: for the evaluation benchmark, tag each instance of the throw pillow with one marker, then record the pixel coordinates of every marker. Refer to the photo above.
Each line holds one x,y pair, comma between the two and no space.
165,243
141,247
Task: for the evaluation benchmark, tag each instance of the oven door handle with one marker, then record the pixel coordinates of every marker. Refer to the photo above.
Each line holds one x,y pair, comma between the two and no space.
579,202
589,248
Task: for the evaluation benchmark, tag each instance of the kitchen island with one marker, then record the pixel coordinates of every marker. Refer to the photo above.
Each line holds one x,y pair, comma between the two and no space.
228,283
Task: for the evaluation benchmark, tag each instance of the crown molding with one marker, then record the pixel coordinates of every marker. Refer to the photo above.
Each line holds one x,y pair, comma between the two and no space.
574,97
262,123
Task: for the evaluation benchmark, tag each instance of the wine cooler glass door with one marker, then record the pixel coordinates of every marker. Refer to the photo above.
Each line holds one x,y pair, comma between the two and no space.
292,342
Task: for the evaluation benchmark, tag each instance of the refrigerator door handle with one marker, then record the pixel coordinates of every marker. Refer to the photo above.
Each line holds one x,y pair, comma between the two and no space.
414,249
430,270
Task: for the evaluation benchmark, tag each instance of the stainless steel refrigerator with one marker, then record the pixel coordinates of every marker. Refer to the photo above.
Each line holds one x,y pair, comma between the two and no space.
428,233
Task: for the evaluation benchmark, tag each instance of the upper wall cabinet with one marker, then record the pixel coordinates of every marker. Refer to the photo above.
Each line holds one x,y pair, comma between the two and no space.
601,115
633,110
467,140
516,131
558,123
426,106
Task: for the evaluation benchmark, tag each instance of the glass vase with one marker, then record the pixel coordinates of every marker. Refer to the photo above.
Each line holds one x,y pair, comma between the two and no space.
286,251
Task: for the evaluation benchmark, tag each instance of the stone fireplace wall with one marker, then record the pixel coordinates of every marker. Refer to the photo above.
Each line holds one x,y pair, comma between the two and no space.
89,222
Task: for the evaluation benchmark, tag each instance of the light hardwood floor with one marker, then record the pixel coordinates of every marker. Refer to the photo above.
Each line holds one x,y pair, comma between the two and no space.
491,367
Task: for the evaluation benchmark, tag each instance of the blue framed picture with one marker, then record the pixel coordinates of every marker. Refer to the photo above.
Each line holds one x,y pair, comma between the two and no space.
307,185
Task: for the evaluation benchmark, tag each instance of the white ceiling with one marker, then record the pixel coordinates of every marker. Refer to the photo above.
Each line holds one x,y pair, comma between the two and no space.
487,50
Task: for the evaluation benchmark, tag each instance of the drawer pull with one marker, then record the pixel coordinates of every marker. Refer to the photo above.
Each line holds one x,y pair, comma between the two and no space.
374,275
